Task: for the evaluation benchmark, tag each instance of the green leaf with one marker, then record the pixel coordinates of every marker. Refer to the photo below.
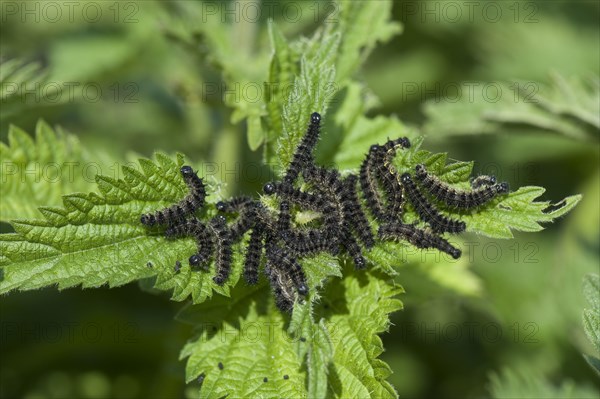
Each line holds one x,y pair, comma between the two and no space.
255,133
318,360
96,239
345,45
284,67
573,97
317,349
253,341
591,317
309,93
594,362
251,346
591,325
37,172
517,211
591,291
517,385
567,107
24,85
357,311
16,74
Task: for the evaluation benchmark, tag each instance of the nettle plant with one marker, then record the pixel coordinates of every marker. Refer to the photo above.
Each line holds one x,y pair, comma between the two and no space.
317,251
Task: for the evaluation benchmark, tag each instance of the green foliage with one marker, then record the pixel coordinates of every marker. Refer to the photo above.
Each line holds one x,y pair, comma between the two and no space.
96,238
14,74
591,316
301,74
309,94
318,350
356,313
568,107
511,385
334,56
36,173
330,347
328,351
105,225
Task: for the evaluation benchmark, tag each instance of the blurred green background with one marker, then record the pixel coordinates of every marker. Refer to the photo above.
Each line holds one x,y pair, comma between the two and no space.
142,81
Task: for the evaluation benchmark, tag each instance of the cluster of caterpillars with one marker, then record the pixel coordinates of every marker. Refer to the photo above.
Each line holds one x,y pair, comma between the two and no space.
342,224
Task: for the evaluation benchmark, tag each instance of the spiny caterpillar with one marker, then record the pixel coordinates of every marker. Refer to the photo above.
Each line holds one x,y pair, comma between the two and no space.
186,207
456,198
417,237
427,212
303,154
341,224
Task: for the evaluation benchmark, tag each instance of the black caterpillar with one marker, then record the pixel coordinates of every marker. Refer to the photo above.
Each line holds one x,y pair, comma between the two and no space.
178,212
342,224
484,190
427,212
417,237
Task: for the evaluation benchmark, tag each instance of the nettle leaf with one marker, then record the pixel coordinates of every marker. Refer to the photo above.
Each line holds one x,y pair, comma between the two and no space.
348,37
591,289
591,316
251,346
568,107
97,238
258,347
36,172
517,211
573,97
317,350
283,68
310,93
356,310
